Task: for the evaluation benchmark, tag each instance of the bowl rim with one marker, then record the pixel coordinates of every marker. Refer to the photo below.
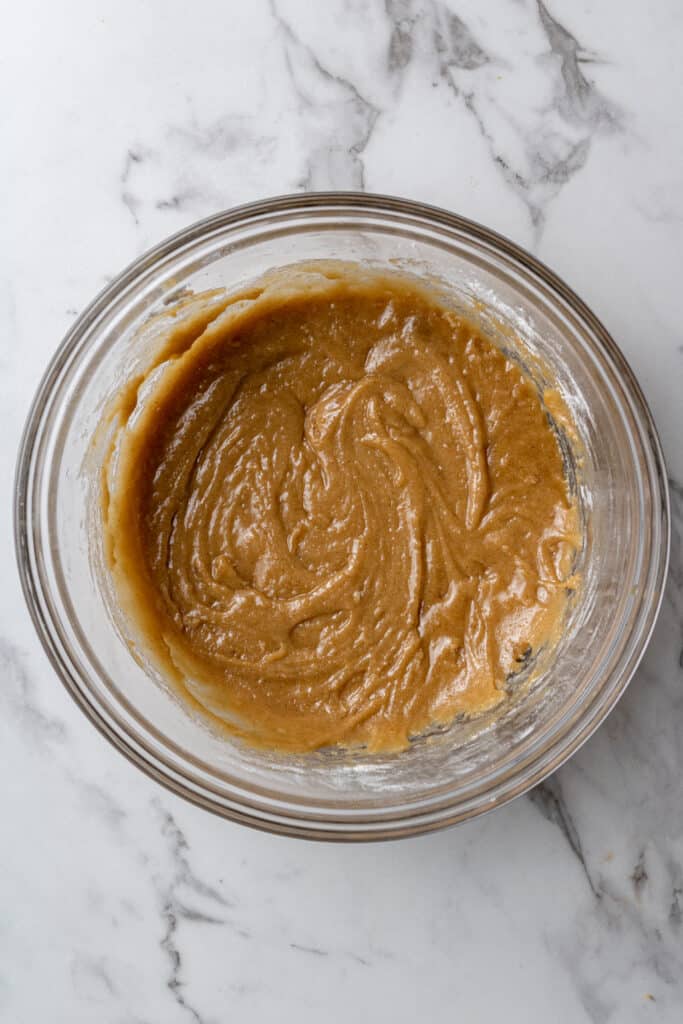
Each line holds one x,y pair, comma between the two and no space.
561,748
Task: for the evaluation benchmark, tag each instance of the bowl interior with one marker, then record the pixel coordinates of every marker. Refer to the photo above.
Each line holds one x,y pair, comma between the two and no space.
472,765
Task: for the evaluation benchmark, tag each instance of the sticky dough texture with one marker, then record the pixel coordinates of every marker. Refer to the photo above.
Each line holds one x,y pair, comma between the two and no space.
336,513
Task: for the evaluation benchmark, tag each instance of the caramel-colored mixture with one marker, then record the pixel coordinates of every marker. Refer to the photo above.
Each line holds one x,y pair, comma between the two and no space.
335,512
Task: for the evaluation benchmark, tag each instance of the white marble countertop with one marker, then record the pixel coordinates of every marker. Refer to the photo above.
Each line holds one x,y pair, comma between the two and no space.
558,125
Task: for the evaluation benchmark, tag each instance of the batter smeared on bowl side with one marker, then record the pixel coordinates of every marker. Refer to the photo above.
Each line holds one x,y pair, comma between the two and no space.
335,513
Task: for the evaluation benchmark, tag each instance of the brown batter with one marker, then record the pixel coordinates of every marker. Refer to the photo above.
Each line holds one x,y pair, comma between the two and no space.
335,512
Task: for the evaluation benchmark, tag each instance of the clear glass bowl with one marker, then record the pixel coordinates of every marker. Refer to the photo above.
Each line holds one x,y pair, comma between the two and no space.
473,766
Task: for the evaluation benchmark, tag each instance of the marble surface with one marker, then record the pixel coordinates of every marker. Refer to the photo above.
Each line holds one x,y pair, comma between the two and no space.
556,123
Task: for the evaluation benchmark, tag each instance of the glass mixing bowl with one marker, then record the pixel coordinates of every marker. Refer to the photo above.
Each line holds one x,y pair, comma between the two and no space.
471,767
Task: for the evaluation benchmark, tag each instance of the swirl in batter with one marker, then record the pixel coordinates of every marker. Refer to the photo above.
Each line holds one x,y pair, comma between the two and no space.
335,512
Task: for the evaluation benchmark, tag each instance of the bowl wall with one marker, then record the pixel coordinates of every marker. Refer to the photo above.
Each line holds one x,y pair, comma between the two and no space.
472,766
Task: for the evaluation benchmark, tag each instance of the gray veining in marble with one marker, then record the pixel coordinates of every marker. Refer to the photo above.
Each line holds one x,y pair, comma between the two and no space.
557,124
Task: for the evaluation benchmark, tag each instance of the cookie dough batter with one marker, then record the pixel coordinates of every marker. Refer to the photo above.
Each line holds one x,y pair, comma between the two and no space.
335,513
